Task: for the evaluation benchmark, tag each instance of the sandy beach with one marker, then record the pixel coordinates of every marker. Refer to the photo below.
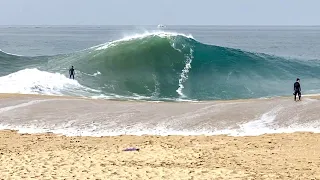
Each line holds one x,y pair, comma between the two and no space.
48,156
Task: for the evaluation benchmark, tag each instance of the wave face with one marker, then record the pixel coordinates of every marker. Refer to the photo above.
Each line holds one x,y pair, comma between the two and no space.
159,66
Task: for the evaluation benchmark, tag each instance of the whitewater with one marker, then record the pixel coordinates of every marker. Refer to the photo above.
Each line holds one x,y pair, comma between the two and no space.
159,68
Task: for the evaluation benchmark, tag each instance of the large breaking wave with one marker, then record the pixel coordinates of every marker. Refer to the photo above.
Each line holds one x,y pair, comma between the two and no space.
158,66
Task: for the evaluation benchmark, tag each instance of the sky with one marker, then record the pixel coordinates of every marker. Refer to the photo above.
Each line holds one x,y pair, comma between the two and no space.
153,12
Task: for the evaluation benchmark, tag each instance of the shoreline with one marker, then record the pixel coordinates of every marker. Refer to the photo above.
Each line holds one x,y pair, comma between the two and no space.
7,95
48,156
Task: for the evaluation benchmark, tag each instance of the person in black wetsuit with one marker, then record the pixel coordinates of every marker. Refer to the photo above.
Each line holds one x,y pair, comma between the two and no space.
297,89
71,72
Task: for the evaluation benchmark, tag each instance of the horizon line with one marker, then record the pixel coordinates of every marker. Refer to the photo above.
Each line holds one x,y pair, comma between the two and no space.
154,25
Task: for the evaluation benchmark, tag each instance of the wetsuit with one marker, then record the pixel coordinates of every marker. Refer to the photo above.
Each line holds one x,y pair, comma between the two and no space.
297,90
71,72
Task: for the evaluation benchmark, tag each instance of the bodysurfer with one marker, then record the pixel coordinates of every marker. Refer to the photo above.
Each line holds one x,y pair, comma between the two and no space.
71,72
297,89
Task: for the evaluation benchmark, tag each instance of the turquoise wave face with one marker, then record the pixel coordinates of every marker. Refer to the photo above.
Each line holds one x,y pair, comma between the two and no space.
176,67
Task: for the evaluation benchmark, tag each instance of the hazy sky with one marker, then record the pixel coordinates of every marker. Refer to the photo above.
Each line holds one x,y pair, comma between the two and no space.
145,12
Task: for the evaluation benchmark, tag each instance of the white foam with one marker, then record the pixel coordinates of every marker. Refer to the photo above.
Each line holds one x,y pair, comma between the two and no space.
298,128
310,95
34,81
162,34
139,131
9,108
156,92
134,97
184,74
262,124
97,73
97,130
9,53
93,75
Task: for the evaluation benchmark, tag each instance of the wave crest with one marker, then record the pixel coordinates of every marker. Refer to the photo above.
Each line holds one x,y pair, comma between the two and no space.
162,34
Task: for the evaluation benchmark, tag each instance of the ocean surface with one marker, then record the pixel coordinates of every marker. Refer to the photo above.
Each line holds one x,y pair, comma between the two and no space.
192,63
196,64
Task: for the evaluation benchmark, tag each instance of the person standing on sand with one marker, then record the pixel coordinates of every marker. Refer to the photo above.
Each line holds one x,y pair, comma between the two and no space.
297,89
71,72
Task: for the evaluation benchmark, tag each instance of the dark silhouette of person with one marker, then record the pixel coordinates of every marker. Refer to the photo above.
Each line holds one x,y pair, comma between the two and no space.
71,72
297,89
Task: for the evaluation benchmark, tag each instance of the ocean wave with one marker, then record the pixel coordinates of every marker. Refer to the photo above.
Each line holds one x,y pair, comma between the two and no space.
160,66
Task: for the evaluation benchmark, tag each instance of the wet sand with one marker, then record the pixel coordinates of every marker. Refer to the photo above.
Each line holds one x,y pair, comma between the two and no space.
81,116
48,156
53,156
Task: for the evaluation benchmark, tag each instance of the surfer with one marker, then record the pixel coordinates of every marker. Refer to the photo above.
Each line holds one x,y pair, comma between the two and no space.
297,89
71,72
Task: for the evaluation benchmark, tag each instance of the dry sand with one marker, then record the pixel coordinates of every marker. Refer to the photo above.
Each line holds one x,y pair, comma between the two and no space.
49,156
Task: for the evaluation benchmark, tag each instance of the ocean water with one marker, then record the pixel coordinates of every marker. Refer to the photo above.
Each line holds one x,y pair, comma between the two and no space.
171,64
175,63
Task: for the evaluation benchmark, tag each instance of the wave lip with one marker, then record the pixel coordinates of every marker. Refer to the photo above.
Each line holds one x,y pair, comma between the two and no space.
162,34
